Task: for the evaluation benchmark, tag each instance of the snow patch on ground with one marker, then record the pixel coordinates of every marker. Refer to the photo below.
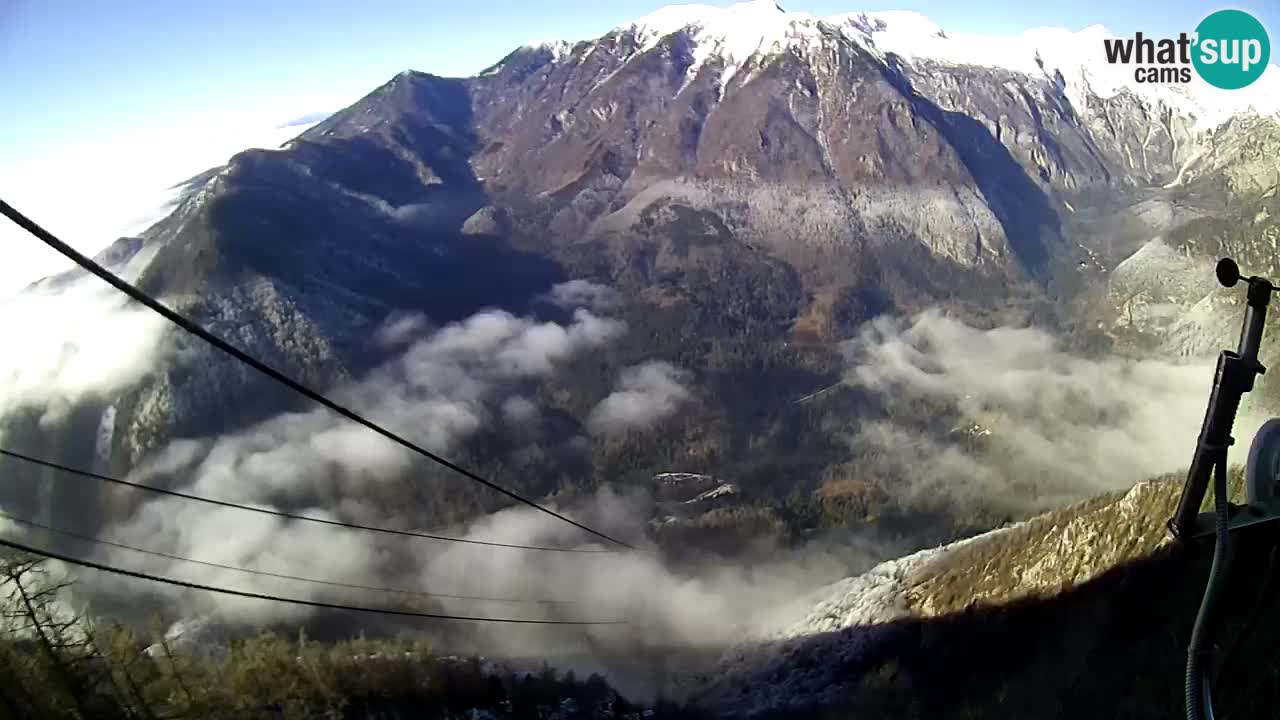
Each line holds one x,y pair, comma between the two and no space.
1163,273
762,213
725,490
1163,289
957,218
559,49
1209,326
1080,58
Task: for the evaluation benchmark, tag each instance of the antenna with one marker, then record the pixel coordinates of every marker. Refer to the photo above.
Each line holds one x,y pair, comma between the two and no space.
1234,377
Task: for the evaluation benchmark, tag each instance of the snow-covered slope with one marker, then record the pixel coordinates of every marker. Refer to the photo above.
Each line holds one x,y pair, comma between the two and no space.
842,623
821,651
1158,284
732,34
1075,59
1077,55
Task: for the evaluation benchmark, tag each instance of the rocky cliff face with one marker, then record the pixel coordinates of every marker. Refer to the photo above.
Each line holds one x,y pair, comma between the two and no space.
836,142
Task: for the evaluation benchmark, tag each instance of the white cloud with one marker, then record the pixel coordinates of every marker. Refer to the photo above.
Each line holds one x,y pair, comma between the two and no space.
583,293
1034,426
85,340
437,393
519,410
646,394
710,606
697,606
92,192
246,540
442,389
444,386
400,328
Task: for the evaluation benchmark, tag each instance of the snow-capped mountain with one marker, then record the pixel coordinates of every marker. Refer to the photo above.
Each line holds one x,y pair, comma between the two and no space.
830,169
842,115
742,172
734,34
753,185
1075,59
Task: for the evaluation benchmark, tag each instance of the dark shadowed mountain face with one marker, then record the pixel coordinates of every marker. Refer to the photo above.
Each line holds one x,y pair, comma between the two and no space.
745,213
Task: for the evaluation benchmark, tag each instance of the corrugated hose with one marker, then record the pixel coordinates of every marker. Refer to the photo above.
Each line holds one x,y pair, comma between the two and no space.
1199,693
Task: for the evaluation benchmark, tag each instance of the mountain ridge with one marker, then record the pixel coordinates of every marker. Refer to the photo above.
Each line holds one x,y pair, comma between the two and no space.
850,180
746,214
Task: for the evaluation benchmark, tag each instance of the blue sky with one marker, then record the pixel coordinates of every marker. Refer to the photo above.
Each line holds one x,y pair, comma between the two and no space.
153,86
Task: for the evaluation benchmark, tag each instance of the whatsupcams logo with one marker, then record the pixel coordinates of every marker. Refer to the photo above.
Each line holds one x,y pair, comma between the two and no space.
1229,49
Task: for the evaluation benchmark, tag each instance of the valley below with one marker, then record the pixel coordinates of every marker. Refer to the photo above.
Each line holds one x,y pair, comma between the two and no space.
886,356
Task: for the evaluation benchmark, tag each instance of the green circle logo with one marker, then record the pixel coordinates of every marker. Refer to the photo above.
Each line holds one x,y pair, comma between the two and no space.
1232,49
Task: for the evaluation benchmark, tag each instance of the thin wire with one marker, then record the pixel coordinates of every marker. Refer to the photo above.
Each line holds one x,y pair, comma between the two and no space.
157,553
280,513
192,327
293,601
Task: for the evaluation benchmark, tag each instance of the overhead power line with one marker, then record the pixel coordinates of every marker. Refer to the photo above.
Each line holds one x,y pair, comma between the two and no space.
156,553
292,601
279,513
192,327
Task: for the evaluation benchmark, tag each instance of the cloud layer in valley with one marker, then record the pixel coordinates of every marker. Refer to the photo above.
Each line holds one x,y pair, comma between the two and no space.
1028,425
1003,416
124,185
447,384
82,341
664,610
442,389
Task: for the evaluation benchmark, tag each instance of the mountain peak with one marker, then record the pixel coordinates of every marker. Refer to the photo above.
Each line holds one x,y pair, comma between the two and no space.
756,18
896,21
1073,60
733,34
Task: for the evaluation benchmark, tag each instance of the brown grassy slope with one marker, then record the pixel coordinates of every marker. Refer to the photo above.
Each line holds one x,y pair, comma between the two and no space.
1081,613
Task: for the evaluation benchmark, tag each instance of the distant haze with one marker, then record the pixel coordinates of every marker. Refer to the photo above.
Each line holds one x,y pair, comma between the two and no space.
91,194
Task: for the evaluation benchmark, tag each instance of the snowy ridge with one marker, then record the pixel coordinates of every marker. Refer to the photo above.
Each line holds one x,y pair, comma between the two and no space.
733,34
559,49
879,595
821,647
845,621
1077,56
1074,60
